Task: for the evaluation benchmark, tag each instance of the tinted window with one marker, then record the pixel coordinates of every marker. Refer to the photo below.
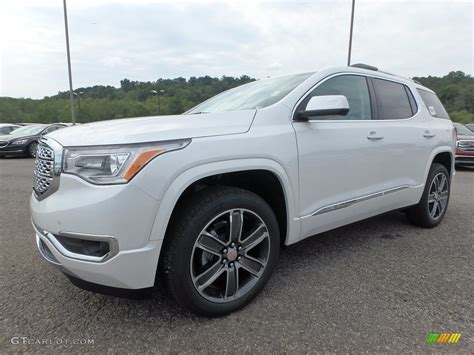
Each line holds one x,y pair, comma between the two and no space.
463,130
392,99
51,129
354,88
434,106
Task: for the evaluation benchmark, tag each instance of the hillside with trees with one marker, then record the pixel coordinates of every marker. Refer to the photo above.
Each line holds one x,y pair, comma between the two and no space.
174,96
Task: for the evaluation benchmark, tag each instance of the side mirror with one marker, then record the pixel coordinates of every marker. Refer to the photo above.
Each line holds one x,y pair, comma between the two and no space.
325,106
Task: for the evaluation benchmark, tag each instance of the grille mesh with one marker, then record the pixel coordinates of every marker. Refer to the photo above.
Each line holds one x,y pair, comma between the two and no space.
43,173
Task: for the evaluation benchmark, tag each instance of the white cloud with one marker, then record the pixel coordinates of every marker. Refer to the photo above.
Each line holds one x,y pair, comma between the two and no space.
148,39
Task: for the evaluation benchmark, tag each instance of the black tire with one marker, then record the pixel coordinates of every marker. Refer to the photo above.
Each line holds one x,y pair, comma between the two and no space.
420,214
193,216
31,150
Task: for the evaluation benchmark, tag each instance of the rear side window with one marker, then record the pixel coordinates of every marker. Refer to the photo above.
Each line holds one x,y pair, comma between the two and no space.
434,106
393,101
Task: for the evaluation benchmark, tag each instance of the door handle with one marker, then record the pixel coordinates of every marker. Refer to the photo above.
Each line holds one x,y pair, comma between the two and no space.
428,134
372,136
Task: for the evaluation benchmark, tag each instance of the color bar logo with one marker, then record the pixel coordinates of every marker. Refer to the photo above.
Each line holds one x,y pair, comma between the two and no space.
443,338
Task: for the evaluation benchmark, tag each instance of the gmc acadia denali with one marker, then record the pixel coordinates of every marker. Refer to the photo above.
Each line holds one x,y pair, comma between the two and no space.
203,201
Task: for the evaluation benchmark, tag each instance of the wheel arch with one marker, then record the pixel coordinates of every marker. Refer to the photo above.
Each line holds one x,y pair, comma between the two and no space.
444,156
230,173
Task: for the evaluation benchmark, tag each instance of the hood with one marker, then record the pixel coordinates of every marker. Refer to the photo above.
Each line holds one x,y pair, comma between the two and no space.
155,128
462,137
10,137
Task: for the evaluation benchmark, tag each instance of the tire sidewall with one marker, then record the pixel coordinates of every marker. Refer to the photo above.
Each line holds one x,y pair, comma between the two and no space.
187,293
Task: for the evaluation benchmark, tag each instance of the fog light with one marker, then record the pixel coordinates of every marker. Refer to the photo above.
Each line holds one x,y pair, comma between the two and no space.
83,246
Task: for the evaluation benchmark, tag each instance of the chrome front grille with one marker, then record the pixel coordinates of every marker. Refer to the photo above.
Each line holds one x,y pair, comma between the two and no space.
46,170
466,145
45,152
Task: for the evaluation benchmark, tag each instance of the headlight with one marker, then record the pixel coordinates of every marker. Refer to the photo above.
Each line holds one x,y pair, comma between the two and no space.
114,164
19,142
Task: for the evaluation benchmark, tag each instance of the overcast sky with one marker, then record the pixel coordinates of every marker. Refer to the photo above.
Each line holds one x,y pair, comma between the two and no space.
146,40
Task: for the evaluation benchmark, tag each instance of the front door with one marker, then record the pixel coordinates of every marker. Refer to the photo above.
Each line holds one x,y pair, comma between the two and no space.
340,158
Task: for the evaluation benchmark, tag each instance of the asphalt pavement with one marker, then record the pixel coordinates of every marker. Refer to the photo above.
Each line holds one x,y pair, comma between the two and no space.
381,285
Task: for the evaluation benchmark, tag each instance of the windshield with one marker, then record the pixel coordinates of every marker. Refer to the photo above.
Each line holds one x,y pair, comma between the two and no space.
463,130
27,130
255,95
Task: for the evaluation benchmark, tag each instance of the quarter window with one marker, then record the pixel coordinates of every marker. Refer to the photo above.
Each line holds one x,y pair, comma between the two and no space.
393,100
434,106
354,88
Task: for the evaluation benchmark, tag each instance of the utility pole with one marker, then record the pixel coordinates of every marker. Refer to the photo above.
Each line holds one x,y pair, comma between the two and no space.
350,34
71,93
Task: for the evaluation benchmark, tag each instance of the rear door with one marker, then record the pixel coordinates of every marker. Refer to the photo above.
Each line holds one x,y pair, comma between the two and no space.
408,139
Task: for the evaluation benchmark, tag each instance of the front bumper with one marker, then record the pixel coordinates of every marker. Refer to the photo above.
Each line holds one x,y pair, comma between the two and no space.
465,160
120,214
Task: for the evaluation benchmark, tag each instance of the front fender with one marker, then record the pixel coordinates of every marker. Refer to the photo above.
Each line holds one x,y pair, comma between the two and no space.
193,174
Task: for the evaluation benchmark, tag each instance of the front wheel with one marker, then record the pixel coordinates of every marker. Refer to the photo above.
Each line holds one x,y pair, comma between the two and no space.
222,248
32,148
433,204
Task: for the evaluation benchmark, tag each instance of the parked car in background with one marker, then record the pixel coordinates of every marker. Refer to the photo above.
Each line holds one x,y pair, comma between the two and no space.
464,145
7,128
204,200
470,126
24,140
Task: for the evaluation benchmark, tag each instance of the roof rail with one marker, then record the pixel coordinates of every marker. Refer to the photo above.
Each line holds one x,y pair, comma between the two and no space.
365,66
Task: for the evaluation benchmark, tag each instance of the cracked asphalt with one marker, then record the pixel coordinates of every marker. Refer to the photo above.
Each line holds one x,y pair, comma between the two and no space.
380,285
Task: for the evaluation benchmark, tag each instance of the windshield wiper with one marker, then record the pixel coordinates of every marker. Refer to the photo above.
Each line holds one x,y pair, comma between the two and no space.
197,113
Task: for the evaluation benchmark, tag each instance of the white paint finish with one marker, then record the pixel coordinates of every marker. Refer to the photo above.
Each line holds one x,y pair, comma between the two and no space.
318,163
155,128
131,269
327,102
121,211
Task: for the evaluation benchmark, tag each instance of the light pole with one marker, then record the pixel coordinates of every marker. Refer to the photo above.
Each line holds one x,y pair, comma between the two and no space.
78,95
71,95
350,34
161,92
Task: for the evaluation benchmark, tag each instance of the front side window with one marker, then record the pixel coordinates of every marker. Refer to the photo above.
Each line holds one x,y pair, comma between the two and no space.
50,129
463,130
393,100
354,88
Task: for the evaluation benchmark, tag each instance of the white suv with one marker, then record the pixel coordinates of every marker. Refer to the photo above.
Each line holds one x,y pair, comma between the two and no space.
203,201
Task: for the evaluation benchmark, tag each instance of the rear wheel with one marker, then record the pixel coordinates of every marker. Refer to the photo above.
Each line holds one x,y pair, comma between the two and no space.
32,148
223,246
433,204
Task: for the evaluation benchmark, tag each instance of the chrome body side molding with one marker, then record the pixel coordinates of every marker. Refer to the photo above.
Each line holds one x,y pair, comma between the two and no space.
347,203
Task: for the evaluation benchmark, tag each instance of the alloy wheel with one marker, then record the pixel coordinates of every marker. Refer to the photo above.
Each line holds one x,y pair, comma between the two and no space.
32,149
438,196
230,255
